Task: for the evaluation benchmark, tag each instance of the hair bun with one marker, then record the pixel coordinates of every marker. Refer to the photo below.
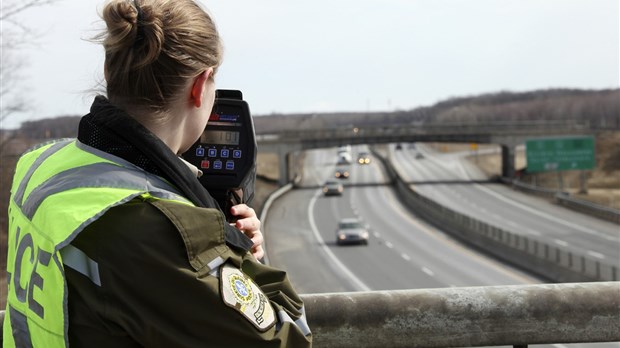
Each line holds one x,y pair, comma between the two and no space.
134,27
145,68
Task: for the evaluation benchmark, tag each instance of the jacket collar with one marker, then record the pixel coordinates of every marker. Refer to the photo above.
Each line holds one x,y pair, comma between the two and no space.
110,129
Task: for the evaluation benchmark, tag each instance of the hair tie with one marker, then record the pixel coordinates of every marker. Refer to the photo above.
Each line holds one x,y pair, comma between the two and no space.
140,34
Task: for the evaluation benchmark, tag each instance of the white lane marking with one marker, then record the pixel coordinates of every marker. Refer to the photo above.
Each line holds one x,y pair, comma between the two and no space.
345,271
377,235
595,254
448,241
389,245
560,242
533,232
560,346
405,256
538,212
428,271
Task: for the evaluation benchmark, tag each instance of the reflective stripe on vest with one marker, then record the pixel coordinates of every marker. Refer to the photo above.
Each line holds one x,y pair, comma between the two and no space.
58,190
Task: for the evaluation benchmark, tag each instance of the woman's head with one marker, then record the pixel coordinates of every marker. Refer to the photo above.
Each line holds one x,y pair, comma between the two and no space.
153,48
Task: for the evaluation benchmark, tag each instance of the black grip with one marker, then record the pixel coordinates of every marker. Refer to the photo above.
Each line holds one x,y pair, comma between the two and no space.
233,197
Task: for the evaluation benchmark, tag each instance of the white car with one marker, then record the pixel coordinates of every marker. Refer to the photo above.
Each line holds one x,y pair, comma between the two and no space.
351,230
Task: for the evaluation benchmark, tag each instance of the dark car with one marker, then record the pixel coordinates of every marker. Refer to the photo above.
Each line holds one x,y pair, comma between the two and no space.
351,230
332,188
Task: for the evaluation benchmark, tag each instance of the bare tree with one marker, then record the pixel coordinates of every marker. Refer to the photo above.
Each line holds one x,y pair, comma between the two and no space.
13,37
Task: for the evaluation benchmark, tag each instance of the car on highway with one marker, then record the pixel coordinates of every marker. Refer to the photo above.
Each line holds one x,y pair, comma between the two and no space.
332,188
341,173
351,231
419,155
363,158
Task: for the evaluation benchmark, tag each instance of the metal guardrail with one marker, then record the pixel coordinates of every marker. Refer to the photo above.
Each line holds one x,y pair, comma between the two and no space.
566,200
465,317
531,189
606,213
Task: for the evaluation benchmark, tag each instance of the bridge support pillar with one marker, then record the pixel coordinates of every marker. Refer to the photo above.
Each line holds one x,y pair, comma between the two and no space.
508,161
286,153
283,162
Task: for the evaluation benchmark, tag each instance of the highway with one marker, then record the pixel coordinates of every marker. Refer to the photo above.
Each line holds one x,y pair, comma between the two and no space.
403,252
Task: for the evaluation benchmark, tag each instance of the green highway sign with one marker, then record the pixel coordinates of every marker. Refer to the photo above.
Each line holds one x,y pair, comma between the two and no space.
562,153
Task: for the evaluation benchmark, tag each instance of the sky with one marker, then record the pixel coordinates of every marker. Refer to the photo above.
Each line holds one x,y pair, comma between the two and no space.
348,55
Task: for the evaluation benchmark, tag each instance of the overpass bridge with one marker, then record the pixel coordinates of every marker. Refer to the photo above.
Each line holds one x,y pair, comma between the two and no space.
506,134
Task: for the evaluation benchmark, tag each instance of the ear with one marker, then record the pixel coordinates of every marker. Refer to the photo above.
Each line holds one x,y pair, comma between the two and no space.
199,86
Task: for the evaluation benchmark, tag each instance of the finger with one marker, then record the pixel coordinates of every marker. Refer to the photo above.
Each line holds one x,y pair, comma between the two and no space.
248,224
258,252
256,237
242,210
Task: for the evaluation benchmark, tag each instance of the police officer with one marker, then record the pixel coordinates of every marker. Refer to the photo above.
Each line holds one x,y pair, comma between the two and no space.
112,240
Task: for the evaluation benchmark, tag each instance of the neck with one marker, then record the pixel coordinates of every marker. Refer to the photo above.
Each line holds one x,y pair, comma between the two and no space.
168,131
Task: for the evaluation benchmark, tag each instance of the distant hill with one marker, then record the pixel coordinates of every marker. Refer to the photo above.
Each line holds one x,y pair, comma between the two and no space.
599,107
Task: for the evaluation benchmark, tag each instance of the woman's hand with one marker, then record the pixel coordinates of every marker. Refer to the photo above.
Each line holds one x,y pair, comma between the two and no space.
248,223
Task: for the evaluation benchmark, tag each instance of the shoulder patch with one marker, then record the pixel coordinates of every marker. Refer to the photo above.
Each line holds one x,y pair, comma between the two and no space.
241,293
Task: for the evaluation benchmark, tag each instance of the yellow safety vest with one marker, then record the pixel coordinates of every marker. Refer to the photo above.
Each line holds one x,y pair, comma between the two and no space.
58,189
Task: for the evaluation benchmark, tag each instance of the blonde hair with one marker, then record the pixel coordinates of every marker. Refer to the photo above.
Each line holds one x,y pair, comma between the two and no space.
152,49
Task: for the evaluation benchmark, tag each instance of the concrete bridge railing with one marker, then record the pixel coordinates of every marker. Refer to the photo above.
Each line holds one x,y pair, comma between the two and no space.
465,317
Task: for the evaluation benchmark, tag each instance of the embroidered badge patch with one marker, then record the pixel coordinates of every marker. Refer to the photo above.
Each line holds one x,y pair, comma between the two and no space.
240,292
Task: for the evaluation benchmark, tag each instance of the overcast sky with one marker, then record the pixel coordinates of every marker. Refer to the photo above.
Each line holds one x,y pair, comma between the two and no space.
351,55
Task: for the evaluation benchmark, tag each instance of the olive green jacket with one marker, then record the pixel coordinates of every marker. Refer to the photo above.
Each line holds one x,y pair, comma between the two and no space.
162,284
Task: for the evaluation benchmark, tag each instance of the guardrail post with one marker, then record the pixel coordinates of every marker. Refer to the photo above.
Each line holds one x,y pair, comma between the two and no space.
583,264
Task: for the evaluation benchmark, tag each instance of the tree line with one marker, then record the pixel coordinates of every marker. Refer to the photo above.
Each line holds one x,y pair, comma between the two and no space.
599,108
